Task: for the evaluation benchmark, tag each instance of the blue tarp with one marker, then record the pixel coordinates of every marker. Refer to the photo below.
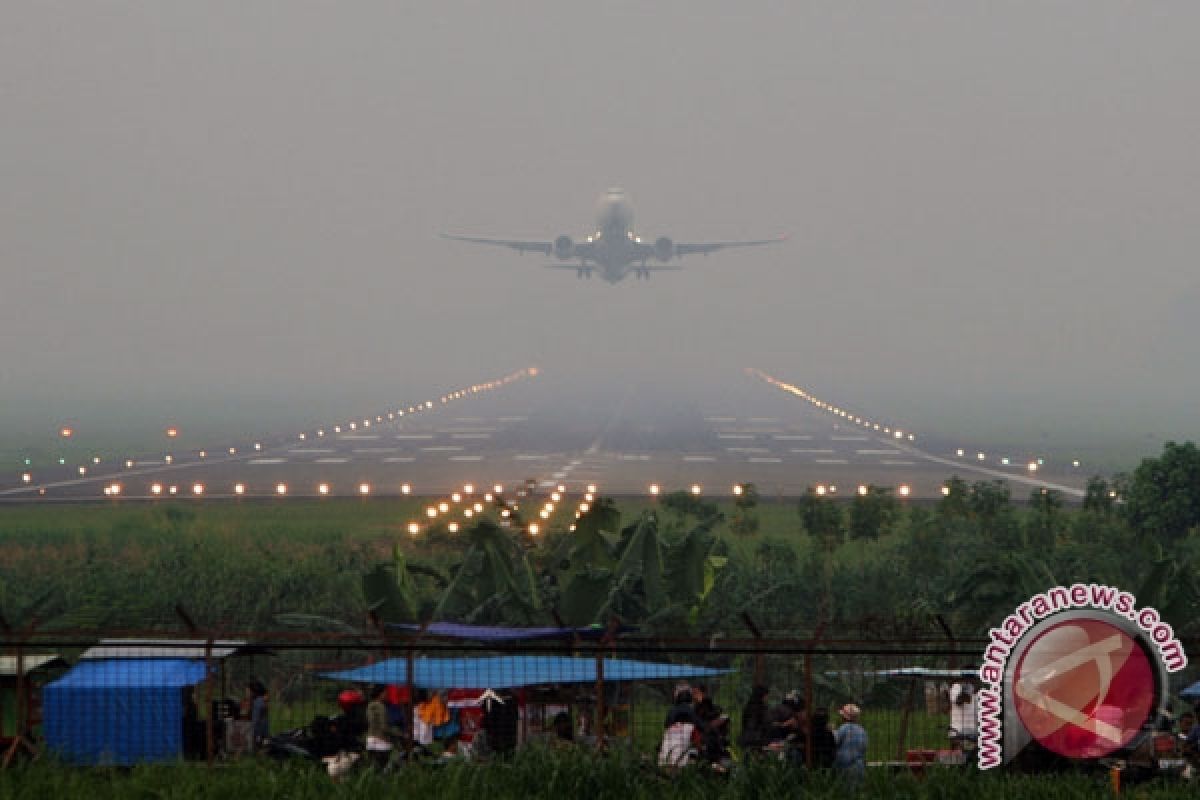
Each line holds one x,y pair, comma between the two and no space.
507,672
119,711
1191,693
495,633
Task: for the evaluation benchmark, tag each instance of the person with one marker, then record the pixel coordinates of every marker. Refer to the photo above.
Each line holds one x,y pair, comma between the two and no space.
755,734
681,708
703,705
851,738
259,723
824,745
564,734
501,716
379,734
716,743
964,712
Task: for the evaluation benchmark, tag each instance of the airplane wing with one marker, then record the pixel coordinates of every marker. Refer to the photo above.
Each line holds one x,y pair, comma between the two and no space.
704,248
520,245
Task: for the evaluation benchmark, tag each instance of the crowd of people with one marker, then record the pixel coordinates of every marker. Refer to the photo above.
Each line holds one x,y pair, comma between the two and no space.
697,730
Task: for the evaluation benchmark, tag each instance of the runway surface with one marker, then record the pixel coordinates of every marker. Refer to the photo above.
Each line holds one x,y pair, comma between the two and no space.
624,438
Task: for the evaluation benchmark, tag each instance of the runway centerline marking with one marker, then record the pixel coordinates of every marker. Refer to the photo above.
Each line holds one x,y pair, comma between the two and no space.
831,461
811,450
260,461
699,458
444,448
877,452
311,450
404,436
358,436
399,460
330,460
466,458
370,450
764,460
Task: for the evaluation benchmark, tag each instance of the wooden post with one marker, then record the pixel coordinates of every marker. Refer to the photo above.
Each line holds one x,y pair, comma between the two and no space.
598,725
760,666
209,722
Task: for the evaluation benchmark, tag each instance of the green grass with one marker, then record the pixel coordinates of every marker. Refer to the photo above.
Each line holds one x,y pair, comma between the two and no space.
536,773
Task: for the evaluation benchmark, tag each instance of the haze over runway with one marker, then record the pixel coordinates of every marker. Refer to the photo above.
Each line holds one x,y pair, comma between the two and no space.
549,430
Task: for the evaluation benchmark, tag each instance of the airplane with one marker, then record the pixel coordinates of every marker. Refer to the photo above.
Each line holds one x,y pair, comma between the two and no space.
614,249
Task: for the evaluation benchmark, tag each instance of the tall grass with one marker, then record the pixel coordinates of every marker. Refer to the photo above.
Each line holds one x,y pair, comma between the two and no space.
539,773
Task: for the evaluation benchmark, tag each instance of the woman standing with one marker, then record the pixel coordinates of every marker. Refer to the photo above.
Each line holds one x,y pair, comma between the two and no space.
851,737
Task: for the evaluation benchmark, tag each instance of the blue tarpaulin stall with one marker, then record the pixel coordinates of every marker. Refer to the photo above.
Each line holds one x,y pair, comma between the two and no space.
511,672
119,711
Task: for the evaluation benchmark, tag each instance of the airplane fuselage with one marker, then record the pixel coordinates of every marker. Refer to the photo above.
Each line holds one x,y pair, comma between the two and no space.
613,246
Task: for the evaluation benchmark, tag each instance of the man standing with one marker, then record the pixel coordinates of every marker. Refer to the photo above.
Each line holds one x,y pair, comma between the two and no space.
851,737
964,713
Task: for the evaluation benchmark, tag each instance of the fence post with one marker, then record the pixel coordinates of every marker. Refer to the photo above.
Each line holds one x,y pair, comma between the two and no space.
209,722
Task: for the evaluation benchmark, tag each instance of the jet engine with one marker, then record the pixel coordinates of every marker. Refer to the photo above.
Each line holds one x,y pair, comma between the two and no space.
564,248
664,249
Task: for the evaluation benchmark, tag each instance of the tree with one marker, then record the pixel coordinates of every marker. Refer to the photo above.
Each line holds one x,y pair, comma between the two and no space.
1098,496
822,519
872,513
745,501
1163,501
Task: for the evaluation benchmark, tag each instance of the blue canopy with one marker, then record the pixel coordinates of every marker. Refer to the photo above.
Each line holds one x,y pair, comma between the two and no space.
1191,693
508,672
119,711
496,633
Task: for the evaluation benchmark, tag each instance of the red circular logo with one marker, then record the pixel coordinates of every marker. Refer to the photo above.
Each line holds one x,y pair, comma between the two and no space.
1083,688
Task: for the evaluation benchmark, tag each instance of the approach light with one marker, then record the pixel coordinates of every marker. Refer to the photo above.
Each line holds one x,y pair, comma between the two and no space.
544,514
83,470
197,488
452,527
945,491
168,458
959,452
904,491
443,507
555,496
233,451
1033,466
589,497
738,491
583,508
405,488
204,454
821,490
533,529
156,488
654,489
258,446
431,512
1075,463
456,497
364,488
173,490
281,488
591,487
323,488
468,513
498,489
414,528
478,508
115,488
239,488
95,459
696,489
862,490
26,477
66,433
468,488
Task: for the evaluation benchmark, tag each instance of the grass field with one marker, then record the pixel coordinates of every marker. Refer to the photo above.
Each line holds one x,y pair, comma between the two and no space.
541,774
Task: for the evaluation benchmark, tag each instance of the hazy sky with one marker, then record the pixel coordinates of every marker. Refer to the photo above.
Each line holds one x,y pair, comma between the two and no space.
994,207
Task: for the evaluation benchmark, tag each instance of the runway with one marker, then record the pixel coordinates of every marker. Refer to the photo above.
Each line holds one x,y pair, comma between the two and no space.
625,438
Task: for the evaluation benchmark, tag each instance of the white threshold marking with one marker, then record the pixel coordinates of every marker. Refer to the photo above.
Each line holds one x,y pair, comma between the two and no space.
259,461
764,460
444,448
414,435
358,436
399,460
793,437
330,460
877,452
811,450
896,463
699,458
310,450
831,461
466,458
